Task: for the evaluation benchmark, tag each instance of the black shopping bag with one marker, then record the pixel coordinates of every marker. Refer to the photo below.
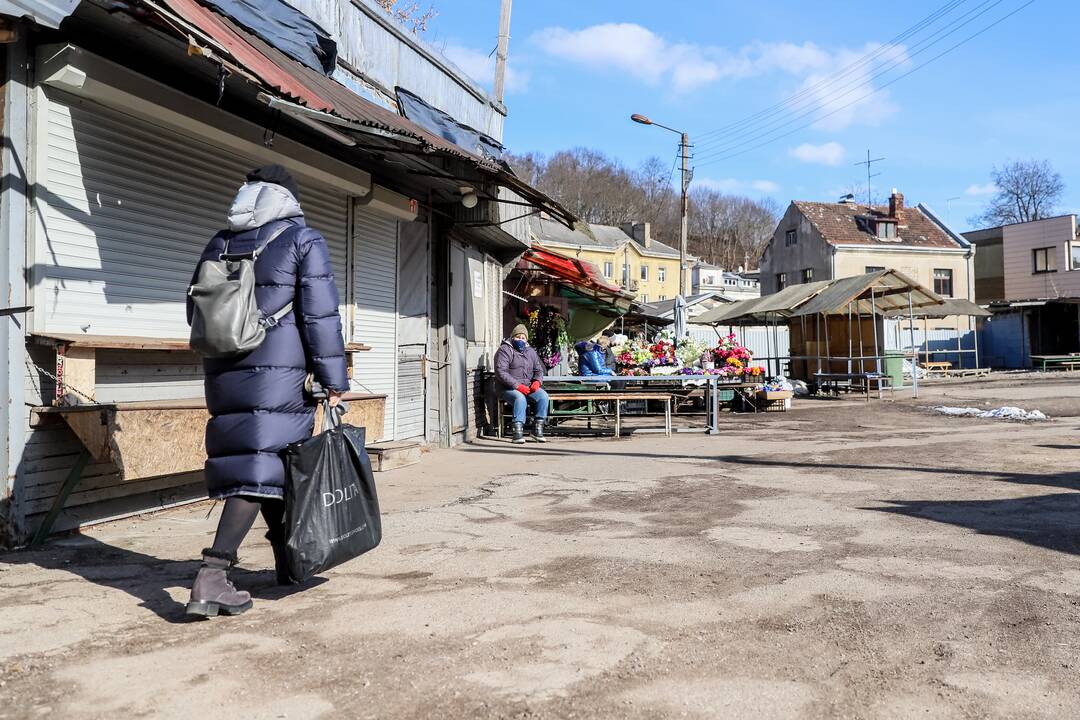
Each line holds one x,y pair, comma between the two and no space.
331,509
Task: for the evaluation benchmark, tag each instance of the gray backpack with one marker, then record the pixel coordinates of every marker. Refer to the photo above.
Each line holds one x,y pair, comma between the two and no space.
227,321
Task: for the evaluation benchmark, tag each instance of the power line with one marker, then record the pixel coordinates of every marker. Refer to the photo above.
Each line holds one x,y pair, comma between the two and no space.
714,158
770,127
930,19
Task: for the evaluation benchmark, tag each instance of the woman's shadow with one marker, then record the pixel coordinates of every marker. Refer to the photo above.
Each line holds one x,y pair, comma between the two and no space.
142,576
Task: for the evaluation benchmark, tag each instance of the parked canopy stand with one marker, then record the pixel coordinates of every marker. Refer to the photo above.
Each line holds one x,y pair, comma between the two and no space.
955,308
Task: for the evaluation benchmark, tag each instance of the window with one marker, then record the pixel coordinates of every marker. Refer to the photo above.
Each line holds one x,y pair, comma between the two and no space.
886,230
626,273
808,275
609,267
730,281
644,298
1044,260
781,281
661,275
644,272
1076,256
791,237
662,297
943,282
873,268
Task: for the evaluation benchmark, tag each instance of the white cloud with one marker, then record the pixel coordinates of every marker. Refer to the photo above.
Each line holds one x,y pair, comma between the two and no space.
976,190
830,153
481,67
733,185
634,49
832,86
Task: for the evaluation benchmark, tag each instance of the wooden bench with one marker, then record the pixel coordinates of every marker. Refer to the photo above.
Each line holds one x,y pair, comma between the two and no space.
618,397
941,366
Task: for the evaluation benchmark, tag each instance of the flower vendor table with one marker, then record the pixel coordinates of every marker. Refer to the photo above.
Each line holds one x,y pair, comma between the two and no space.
713,384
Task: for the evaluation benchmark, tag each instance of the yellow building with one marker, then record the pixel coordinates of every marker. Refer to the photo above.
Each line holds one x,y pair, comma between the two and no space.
626,255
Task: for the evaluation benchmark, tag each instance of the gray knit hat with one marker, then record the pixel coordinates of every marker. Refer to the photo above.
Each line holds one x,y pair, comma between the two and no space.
519,329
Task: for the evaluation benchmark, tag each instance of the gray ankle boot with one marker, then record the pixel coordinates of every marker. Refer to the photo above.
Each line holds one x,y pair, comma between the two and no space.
519,434
212,592
538,430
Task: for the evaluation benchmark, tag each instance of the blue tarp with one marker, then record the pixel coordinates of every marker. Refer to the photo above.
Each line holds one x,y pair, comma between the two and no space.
286,28
436,121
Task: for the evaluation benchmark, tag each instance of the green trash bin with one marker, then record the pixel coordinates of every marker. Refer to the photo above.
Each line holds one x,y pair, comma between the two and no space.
894,367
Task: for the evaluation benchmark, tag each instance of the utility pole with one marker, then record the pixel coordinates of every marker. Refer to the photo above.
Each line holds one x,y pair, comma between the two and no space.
501,51
868,162
687,174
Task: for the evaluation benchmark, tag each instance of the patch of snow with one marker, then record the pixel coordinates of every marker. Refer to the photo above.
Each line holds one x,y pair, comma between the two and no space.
1001,413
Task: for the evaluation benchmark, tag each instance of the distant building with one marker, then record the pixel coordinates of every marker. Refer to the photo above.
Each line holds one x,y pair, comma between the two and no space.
627,255
732,285
825,241
1029,274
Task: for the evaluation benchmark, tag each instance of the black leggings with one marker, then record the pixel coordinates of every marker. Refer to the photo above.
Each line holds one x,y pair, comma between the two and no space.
239,515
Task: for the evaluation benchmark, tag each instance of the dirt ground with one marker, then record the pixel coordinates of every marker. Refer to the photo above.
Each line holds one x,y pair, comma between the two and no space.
843,560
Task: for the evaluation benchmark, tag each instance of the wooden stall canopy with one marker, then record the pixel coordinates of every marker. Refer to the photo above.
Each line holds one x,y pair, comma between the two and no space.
875,293
950,307
758,309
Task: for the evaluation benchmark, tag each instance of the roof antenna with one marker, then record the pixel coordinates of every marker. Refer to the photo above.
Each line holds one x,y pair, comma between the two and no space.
868,162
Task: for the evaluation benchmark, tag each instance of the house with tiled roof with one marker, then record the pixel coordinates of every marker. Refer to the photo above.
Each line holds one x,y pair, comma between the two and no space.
825,241
626,254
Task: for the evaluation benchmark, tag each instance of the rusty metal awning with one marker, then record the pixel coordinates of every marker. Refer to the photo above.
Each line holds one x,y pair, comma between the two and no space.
296,89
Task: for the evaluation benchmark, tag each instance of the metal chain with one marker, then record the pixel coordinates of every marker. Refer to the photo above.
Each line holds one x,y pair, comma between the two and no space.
31,365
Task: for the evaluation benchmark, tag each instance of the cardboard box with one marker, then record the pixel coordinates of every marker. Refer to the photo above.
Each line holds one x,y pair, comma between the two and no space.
771,395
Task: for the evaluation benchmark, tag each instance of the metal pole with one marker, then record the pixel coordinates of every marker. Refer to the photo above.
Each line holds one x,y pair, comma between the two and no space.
974,322
873,319
684,151
849,338
501,50
862,344
914,366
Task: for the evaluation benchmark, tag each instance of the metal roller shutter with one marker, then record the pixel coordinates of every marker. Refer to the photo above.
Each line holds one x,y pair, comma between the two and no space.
375,294
124,210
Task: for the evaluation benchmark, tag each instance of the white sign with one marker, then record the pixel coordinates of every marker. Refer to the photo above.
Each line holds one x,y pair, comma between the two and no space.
477,284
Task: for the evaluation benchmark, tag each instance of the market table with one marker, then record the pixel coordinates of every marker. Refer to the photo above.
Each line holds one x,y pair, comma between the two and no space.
713,384
1068,362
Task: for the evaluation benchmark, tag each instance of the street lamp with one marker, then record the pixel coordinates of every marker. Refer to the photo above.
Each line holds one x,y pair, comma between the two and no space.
687,175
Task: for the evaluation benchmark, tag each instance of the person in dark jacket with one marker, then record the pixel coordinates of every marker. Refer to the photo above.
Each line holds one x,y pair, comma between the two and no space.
257,401
520,374
604,341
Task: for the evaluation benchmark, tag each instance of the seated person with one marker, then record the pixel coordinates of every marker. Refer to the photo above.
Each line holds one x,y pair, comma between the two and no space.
519,375
604,341
591,360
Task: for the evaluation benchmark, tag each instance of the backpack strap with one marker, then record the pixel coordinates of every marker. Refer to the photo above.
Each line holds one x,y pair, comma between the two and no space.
270,321
254,254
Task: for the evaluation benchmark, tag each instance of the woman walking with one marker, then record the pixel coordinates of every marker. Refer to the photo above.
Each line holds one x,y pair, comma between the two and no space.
257,401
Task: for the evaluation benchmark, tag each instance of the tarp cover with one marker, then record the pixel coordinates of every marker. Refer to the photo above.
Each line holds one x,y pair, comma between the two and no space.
436,121
284,27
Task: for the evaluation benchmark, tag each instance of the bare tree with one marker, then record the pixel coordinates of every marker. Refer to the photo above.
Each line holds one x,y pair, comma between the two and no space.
1026,190
409,14
725,230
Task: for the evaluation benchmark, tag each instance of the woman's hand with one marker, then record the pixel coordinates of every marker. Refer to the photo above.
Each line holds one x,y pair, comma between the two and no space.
334,397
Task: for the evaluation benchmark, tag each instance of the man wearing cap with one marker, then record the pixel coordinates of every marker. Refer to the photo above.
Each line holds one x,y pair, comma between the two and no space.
520,375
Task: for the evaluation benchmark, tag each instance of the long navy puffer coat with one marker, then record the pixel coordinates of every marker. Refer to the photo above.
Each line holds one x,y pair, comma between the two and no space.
257,401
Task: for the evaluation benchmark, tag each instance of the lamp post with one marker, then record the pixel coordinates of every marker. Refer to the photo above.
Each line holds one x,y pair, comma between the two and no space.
687,175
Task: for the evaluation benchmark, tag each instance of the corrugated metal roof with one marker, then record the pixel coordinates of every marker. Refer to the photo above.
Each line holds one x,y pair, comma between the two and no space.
49,13
280,73
952,306
781,303
873,293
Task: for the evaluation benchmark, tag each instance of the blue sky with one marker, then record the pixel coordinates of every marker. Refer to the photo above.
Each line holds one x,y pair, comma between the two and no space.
579,69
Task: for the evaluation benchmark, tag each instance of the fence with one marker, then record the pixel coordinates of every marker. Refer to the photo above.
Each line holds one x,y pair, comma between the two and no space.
953,345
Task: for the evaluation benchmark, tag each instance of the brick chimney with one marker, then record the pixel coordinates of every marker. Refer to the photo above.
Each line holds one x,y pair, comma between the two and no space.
896,203
641,232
